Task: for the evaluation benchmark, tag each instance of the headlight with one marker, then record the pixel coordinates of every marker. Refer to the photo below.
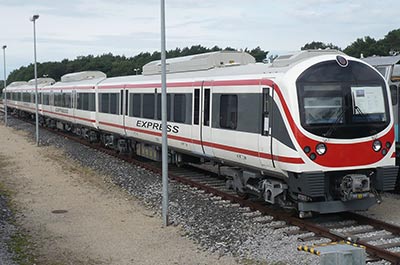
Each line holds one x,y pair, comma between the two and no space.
320,149
377,145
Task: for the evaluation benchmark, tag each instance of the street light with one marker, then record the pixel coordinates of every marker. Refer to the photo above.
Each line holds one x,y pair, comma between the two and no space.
164,154
33,19
5,84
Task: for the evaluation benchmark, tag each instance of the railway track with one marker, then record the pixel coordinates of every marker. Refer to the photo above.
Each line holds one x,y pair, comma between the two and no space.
380,239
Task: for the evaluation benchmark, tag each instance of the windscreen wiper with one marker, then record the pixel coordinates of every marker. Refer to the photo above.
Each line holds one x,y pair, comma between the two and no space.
334,125
361,113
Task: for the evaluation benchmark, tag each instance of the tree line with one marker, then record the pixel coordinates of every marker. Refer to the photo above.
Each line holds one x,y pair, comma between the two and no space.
367,46
116,65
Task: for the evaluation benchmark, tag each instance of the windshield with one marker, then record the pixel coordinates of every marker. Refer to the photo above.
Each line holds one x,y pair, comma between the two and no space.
342,102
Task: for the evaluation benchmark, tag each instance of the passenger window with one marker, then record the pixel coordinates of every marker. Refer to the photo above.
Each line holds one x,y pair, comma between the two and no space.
228,111
136,106
104,102
148,106
196,112
92,102
114,100
206,120
179,108
67,100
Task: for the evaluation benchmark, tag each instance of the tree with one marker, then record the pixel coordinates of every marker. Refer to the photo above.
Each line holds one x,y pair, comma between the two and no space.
366,46
391,42
258,53
316,45
113,65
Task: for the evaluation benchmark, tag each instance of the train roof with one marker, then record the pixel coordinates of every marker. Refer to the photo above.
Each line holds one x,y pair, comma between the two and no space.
291,59
198,62
382,60
17,84
41,82
85,78
280,65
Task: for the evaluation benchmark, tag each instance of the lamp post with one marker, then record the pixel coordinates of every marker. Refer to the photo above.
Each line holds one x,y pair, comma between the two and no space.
164,154
33,19
5,84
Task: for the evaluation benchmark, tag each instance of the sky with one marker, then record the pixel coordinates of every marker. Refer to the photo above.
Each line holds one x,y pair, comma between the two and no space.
67,29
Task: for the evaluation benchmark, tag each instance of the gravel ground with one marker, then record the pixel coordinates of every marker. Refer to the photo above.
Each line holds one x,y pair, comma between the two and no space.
7,229
216,226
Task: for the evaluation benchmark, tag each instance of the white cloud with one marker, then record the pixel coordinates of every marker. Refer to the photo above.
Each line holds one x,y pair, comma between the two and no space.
67,29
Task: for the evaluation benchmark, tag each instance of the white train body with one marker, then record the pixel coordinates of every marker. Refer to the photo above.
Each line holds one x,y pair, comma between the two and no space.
312,130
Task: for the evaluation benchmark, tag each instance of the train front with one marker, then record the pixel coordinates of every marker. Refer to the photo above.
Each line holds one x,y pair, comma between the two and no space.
343,126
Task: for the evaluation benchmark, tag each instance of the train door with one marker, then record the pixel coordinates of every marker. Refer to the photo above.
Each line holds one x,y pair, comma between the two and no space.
123,107
197,121
74,105
206,129
266,137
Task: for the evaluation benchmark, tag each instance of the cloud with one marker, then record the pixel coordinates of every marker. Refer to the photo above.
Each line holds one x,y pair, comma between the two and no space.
67,29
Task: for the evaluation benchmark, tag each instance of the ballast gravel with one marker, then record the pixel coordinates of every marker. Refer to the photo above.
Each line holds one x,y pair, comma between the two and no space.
216,226
7,229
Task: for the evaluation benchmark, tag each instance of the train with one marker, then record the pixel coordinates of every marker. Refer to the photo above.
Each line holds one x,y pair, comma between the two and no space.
312,130
389,67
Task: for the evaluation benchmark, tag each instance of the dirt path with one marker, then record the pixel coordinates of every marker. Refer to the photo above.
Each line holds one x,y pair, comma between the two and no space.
102,224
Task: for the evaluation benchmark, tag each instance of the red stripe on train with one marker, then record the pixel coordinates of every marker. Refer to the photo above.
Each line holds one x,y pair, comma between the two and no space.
291,160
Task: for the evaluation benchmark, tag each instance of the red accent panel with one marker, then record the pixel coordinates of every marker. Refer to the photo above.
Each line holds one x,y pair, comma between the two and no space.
337,155
393,155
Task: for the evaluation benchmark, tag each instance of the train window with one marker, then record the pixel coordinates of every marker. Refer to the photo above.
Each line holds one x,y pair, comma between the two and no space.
92,102
196,112
57,99
382,70
135,105
114,99
104,102
228,111
122,103
108,103
32,98
158,107
206,120
148,106
86,101
26,97
46,99
67,100
126,102
266,107
393,93
395,73
179,108
159,110
79,101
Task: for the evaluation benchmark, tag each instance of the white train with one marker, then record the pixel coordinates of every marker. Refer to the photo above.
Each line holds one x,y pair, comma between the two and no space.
312,130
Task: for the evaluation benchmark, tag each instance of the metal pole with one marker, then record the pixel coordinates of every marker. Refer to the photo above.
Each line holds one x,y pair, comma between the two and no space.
33,19
164,120
5,84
